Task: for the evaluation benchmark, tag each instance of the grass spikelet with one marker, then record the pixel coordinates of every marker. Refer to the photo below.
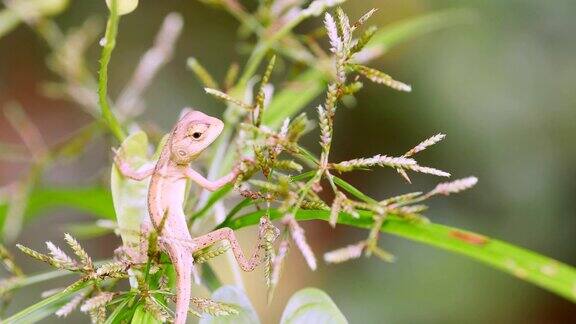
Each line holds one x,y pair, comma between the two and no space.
70,306
345,28
363,19
97,301
225,97
297,233
353,251
261,95
325,129
8,261
288,165
336,208
210,253
447,188
332,31
425,144
39,256
212,307
113,269
400,198
156,309
60,256
380,77
276,265
428,170
85,259
201,73
377,160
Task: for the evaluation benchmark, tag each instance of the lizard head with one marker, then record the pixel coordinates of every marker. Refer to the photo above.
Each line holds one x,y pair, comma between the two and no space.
192,134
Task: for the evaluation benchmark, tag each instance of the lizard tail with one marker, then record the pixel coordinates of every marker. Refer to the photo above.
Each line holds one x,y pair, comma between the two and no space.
182,261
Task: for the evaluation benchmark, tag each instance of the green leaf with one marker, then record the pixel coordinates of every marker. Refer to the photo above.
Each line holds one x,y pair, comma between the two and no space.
141,316
94,200
47,306
232,295
353,190
130,196
311,305
120,312
537,269
209,278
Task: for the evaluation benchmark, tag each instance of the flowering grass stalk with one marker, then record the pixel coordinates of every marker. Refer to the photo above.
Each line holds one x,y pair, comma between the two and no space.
281,179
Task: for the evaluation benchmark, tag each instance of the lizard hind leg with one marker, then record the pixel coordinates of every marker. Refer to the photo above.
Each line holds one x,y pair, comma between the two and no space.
267,235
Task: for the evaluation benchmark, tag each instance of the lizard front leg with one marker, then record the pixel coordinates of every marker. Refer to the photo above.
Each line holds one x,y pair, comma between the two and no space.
267,234
126,169
208,184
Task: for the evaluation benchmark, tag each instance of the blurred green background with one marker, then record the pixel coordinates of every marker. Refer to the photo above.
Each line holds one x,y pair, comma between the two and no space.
502,87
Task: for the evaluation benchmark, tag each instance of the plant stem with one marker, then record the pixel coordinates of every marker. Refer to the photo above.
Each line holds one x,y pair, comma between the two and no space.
109,43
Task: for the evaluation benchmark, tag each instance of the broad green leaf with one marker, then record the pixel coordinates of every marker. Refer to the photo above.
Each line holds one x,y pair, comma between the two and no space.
235,296
124,6
547,273
129,196
311,305
94,200
47,306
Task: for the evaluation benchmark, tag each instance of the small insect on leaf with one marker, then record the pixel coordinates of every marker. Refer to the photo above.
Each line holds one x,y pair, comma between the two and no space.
471,238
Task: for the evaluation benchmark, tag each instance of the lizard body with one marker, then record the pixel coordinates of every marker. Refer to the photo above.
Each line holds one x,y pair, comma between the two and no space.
167,190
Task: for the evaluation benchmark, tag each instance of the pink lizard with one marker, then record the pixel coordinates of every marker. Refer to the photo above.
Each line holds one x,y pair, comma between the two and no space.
190,136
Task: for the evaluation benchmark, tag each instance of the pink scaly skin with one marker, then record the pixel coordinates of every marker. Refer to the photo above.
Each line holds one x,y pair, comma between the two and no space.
193,133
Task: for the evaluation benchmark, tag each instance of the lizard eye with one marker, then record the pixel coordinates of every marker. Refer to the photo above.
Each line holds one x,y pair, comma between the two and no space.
196,131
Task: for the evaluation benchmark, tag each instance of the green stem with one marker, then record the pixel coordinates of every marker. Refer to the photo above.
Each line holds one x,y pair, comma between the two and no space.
537,269
109,43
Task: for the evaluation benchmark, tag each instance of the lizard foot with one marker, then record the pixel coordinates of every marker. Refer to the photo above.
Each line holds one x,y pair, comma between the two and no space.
268,232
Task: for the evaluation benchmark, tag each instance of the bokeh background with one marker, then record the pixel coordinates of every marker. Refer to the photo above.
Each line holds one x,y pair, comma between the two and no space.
502,86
